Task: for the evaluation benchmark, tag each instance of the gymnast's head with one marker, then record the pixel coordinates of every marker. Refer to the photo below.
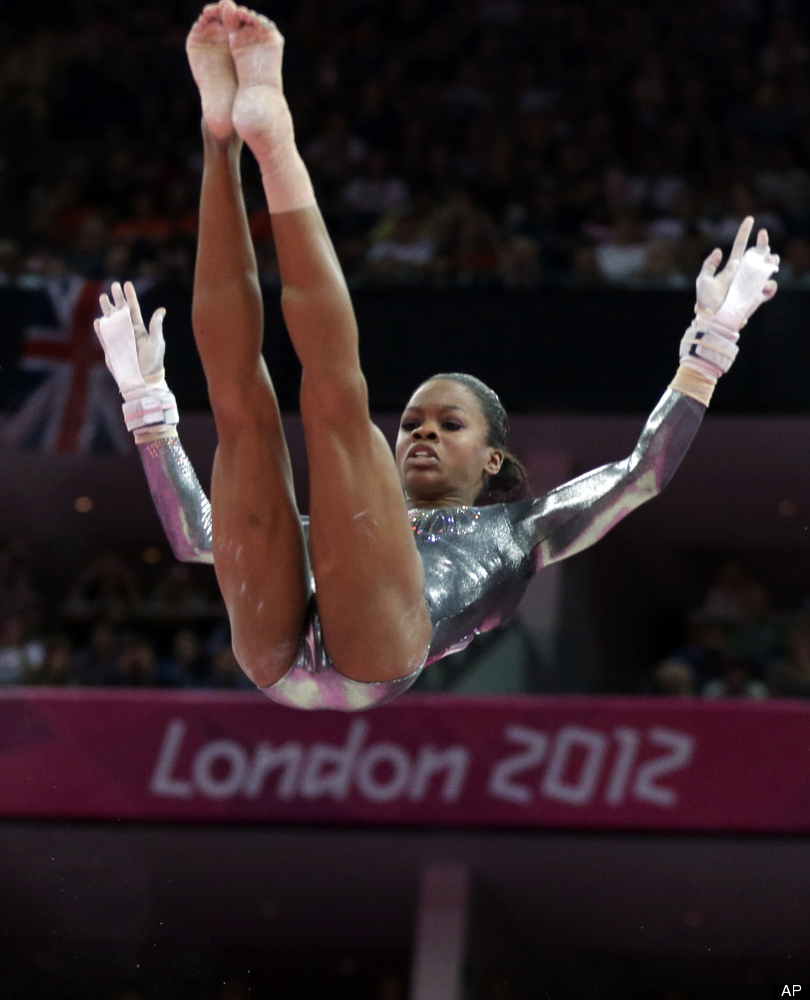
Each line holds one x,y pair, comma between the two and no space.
451,447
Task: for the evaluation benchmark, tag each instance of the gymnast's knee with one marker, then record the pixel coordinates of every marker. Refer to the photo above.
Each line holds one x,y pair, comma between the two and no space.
243,405
339,398
267,664
391,659
382,666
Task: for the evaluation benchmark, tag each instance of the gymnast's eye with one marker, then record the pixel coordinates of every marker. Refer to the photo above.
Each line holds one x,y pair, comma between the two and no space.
452,425
408,425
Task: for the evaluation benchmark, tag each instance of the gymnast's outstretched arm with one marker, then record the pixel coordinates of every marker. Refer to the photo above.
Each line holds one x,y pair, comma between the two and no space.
134,355
183,507
577,514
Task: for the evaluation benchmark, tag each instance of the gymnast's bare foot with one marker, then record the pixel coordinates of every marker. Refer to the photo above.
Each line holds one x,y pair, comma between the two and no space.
212,68
260,113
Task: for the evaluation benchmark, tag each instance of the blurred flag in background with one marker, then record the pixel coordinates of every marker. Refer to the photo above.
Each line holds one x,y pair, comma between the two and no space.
61,397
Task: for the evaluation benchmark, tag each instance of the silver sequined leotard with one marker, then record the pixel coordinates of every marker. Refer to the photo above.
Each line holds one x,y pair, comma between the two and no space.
478,560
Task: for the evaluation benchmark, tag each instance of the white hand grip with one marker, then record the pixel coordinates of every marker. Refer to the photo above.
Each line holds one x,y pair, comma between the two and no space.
745,291
117,336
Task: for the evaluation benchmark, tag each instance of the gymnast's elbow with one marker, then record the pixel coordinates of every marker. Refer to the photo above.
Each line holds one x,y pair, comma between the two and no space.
185,551
648,476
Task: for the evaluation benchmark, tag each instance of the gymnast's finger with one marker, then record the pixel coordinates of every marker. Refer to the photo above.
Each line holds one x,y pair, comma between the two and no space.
118,295
132,302
711,263
762,241
742,237
106,305
156,322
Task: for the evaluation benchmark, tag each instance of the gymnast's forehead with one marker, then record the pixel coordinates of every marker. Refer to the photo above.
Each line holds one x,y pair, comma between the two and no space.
437,393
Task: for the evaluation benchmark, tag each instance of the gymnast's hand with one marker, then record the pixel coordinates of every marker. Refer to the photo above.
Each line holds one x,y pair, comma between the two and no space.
121,328
134,355
725,301
713,286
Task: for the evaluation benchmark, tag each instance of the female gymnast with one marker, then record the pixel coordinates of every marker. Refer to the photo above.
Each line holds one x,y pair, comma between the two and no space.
407,562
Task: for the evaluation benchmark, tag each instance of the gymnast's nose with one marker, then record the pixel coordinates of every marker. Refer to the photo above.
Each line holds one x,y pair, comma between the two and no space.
424,433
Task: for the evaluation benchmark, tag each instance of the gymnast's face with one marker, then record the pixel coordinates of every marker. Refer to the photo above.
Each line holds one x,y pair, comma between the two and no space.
442,452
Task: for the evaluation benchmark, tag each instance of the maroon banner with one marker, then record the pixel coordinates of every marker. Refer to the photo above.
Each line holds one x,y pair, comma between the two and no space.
609,763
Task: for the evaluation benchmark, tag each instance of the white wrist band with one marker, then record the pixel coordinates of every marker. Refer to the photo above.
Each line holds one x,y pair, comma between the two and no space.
708,347
154,407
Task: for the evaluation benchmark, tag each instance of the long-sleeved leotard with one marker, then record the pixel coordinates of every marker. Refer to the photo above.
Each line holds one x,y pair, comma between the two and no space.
478,560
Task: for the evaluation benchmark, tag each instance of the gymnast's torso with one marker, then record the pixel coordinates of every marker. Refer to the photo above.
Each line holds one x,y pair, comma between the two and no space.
478,560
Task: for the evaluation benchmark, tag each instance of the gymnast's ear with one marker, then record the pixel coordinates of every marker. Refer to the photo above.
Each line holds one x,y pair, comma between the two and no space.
495,461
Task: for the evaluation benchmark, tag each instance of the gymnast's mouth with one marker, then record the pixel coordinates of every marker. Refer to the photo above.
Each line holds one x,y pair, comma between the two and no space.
422,455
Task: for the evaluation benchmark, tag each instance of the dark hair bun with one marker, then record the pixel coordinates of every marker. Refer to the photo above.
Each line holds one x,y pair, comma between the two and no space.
510,482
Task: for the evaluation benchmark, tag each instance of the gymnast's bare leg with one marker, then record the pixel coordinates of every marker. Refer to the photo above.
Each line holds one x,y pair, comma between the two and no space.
368,574
258,545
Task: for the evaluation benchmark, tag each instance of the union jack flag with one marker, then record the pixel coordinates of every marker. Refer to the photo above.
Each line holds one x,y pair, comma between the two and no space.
72,404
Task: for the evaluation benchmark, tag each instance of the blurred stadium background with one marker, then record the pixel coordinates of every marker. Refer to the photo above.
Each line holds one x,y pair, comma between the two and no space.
609,796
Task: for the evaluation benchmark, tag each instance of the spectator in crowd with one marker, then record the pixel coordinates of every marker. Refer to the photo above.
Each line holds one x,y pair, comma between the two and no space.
10,262
736,681
20,657
96,663
661,268
135,664
585,268
188,665
756,635
143,223
477,250
333,154
794,271
367,197
790,677
17,594
56,669
403,257
622,254
736,597
226,672
520,263
176,592
703,654
717,226
674,678
107,583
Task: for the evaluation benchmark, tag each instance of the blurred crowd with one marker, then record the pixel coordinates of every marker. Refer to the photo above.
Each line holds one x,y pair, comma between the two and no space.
452,142
138,618
115,621
738,645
